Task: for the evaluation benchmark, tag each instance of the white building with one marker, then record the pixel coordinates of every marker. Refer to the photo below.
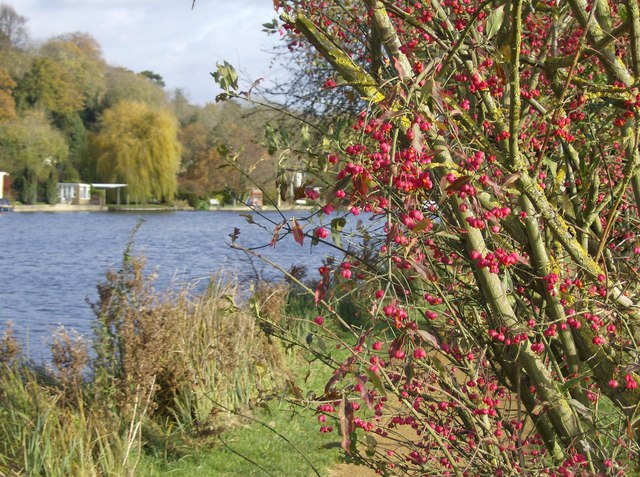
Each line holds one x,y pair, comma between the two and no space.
75,193
2,174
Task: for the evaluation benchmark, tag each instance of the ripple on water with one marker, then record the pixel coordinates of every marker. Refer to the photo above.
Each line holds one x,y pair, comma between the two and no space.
51,263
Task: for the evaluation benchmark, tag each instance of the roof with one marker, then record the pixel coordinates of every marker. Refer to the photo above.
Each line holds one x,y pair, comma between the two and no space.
108,186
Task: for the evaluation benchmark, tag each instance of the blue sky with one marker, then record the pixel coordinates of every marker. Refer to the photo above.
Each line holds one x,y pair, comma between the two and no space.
166,36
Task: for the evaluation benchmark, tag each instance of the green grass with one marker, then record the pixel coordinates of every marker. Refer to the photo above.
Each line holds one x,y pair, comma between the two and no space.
276,439
252,449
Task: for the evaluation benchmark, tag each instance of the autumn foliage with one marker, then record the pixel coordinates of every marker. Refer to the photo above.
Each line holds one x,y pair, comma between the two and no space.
59,99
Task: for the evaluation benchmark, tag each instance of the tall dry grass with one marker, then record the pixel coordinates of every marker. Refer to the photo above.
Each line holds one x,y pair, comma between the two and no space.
48,428
165,368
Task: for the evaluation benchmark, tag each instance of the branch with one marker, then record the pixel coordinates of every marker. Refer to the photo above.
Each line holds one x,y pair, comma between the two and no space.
343,64
390,38
595,34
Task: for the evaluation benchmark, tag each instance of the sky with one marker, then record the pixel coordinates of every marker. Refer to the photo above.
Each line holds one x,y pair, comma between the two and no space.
166,36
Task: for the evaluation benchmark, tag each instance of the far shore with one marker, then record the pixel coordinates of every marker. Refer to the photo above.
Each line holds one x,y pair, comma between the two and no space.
139,208
58,208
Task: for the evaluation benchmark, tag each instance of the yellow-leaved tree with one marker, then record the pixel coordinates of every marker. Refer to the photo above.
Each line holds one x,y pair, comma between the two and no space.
138,145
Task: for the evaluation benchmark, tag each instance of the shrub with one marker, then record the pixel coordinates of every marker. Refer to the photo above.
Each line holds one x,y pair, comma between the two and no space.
497,155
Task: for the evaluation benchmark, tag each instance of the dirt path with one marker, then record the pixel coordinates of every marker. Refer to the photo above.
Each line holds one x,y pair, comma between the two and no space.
351,470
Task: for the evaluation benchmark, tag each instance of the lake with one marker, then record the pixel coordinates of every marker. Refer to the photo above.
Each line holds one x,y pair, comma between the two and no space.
50,263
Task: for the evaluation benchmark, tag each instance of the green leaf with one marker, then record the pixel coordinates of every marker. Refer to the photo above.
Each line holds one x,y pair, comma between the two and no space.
305,136
248,217
371,445
226,77
377,382
339,126
567,206
420,226
494,21
271,26
222,97
572,383
428,87
337,225
408,369
321,344
448,235
224,151
326,144
622,11
353,446
229,299
273,141
284,136
552,165
507,283
265,405
581,409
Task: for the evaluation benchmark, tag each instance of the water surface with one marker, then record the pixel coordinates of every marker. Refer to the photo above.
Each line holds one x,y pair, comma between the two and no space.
50,263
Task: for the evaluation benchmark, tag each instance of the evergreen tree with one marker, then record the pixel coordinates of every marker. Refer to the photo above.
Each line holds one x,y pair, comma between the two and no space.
51,187
28,186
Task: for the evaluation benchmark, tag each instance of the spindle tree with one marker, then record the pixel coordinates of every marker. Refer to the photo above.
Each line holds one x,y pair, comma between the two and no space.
498,162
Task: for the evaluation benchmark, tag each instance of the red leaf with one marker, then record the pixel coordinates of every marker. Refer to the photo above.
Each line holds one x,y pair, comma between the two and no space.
364,393
418,139
276,234
501,73
346,423
428,338
360,184
234,236
338,374
321,290
328,388
420,269
458,183
396,345
399,69
298,234
510,180
495,187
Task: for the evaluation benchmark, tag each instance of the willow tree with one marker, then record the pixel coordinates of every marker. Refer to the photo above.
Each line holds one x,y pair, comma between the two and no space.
138,145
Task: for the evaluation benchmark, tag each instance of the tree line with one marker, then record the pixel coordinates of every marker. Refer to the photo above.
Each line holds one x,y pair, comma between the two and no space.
66,115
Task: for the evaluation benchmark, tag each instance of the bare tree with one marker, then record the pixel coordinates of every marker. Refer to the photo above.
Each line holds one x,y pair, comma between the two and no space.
13,33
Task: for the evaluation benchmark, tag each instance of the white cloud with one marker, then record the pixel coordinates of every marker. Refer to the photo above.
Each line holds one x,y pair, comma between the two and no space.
121,18
165,36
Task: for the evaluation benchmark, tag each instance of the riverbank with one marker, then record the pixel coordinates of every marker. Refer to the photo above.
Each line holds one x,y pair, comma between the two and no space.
58,208
149,208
